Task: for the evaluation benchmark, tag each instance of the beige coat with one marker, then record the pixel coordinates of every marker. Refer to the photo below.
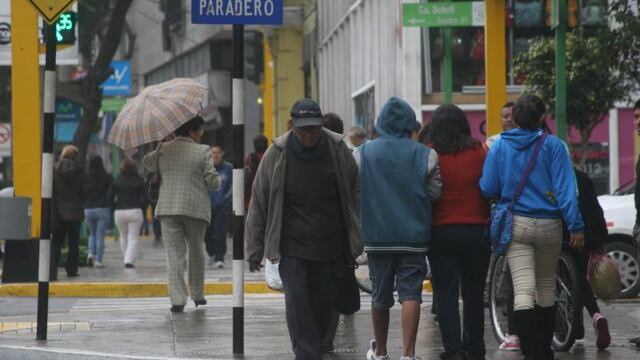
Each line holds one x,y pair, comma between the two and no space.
188,174
264,220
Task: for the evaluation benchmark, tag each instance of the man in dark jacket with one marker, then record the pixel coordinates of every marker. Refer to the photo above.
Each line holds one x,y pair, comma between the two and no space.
68,211
636,229
303,215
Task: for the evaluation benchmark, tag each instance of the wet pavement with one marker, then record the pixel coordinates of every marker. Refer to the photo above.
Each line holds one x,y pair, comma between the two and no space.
149,267
143,328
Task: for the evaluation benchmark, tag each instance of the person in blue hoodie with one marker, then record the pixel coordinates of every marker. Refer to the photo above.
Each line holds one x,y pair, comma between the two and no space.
548,197
216,235
400,178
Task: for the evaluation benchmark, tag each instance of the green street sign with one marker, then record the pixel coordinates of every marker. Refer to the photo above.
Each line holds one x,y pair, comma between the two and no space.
112,104
455,14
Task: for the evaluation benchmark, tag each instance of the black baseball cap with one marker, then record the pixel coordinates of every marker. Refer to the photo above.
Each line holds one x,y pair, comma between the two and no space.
306,112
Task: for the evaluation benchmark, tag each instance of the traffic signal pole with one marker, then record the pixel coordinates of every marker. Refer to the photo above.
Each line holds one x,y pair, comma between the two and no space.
238,188
560,20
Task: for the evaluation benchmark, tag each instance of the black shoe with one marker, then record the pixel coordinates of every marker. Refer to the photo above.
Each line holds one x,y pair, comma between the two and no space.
177,308
458,355
129,266
474,356
73,274
200,302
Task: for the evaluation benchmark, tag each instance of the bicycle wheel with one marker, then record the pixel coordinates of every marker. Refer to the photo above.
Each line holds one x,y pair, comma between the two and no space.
567,303
500,291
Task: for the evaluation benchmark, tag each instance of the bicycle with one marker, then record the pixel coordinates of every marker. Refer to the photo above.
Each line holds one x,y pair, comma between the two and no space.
568,304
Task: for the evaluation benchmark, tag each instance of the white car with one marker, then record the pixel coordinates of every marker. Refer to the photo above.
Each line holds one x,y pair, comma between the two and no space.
620,214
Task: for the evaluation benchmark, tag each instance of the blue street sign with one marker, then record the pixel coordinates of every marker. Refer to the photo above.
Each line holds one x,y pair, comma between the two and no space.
237,12
119,83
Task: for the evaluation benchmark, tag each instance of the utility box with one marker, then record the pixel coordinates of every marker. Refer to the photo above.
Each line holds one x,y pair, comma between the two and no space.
20,263
15,218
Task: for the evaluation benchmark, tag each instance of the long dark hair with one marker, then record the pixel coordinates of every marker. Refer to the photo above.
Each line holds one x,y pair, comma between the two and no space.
450,131
96,166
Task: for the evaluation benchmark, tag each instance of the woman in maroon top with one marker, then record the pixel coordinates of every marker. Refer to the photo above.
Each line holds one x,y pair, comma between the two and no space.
459,253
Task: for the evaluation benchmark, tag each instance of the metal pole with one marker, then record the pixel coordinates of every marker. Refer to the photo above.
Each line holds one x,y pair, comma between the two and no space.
561,69
238,188
448,67
47,182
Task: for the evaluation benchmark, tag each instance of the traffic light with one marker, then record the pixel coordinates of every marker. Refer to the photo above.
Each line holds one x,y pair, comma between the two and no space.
66,29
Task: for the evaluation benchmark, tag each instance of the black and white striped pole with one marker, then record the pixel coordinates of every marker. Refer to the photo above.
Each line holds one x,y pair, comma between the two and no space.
47,181
238,188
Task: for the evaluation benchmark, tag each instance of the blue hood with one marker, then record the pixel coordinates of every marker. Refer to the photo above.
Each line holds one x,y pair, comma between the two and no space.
396,118
520,139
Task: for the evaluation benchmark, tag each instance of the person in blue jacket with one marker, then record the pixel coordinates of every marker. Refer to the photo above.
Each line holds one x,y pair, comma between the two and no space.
216,236
549,195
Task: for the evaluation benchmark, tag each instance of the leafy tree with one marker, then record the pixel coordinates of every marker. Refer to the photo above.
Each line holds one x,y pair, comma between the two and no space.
102,23
603,67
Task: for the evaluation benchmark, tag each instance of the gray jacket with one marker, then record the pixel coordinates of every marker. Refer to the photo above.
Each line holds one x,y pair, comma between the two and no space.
264,220
187,173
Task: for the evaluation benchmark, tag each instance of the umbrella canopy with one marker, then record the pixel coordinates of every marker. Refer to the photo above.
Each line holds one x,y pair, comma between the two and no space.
157,112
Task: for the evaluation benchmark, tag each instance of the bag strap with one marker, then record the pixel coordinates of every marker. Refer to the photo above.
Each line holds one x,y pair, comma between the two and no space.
528,170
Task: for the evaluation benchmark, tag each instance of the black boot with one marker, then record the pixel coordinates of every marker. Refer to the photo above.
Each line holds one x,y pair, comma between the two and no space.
527,331
546,318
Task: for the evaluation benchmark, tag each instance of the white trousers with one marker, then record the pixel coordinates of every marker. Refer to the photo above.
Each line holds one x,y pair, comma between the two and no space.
533,256
129,222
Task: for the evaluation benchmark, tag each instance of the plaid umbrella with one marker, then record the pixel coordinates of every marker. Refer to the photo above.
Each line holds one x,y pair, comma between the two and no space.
157,112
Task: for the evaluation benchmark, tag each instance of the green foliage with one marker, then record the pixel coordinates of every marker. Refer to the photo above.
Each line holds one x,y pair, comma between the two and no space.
603,67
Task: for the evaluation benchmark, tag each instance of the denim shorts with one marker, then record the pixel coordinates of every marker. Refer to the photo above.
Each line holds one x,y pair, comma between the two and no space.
405,271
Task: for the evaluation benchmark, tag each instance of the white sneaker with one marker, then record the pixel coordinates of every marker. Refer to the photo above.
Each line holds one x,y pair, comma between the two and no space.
98,264
371,354
219,265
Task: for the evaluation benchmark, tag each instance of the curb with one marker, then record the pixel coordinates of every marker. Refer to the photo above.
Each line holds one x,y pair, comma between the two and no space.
124,290
41,353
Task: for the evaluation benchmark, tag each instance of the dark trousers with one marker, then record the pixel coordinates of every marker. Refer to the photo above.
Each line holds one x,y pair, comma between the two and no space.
71,232
459,257
215,238
309,293
587,299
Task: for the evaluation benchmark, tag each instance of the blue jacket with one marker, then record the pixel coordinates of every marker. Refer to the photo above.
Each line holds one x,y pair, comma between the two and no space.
221,198
551,190
399,180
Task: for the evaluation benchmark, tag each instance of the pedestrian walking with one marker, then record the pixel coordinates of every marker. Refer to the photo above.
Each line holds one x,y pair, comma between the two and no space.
546,195
333,122
184,209
357,136
511,341
303,215
595,233
251,163
216,236
459,253
68,211
400,178
506,120
636,228
128,194
97,208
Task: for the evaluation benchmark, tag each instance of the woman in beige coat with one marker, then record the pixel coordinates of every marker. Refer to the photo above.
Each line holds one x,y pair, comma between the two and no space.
187,172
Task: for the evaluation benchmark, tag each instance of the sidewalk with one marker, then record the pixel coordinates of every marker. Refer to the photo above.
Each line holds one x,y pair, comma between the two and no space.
148,278
135,328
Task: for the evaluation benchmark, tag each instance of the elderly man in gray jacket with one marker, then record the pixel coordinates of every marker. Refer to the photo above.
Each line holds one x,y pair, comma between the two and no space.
303,215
